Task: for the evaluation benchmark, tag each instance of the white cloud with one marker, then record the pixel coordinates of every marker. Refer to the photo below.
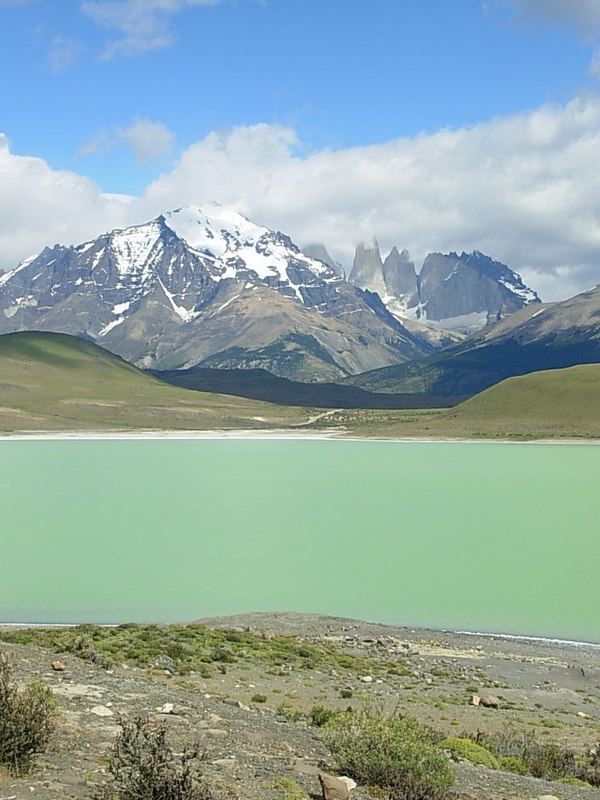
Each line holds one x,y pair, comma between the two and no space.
40,206
63,52
140,25
581,15
522,189
149,140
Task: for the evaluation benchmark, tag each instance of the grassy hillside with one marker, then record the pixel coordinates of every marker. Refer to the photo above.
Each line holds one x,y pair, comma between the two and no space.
562,403
56,382
52,381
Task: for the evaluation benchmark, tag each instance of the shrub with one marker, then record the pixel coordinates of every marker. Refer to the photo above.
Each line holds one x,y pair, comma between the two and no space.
319,716
475,753
27,720
523,753
394,753
513,764
259,698
143,767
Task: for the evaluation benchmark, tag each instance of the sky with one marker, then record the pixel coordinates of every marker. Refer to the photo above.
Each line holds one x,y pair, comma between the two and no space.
432,125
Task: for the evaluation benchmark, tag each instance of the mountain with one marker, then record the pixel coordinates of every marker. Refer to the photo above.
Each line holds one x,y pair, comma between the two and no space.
319,252
207,286
538,337
51,381
458,293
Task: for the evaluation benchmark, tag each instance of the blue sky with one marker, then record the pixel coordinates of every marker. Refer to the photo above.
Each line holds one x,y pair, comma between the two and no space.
430,124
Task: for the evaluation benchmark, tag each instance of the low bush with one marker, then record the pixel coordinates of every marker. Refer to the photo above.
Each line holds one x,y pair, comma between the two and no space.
143,767
396,754
467,749
524,754
319,716
27,720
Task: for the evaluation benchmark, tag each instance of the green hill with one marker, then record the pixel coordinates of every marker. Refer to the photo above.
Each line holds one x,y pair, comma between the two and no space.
51,381
559,403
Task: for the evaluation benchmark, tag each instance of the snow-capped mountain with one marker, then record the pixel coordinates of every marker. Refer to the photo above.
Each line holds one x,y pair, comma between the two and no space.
461,293
201,283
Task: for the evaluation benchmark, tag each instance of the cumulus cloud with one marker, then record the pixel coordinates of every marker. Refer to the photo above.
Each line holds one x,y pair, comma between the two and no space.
522,189
140,25
150,141
581,15
40,206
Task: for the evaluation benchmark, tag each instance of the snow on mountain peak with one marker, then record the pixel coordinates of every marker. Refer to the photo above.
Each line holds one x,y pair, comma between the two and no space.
203,228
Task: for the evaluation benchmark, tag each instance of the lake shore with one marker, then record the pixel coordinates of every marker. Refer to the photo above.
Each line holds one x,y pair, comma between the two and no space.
332,434
543,688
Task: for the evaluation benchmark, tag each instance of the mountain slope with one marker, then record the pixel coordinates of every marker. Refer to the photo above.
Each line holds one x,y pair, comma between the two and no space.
262,385
540,337
52,381
462,293
204,281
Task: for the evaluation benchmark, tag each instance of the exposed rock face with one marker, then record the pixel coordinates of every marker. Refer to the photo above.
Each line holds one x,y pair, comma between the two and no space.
367,270
197,284
457,293
471,285
319,253
400,278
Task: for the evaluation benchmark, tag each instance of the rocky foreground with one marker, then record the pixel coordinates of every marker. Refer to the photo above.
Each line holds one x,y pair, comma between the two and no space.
249,706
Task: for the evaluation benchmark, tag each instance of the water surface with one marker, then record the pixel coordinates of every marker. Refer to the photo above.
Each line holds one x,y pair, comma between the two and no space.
491,537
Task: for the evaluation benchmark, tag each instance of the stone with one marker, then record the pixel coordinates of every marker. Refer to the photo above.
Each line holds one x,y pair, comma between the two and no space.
583,715
367,679
58,666
333,788
166,709
225,763
216,733
350,783
101,711
475,700
489,701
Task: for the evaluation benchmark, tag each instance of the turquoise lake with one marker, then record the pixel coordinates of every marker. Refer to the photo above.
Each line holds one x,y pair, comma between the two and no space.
480,537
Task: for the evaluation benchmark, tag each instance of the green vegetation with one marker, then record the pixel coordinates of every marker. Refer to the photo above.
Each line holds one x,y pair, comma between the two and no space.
469,750
562,403
524,754
27,720
52,381
143,767
181,649
395,753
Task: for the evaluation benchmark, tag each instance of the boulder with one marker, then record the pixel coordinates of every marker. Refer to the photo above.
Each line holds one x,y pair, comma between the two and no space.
489,701
333,788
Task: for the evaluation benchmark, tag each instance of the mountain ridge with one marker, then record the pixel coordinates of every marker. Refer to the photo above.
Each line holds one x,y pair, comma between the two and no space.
152,290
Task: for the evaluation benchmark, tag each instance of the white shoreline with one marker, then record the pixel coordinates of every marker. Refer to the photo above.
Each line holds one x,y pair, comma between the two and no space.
276,434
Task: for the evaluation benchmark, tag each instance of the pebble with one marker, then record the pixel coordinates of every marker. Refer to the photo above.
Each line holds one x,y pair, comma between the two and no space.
58,666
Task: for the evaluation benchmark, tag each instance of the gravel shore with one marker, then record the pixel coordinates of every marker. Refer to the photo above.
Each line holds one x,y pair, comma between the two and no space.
550,688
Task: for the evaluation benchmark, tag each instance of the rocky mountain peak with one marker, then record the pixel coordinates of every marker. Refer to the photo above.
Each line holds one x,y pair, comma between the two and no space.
367,268
461,293
201,282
